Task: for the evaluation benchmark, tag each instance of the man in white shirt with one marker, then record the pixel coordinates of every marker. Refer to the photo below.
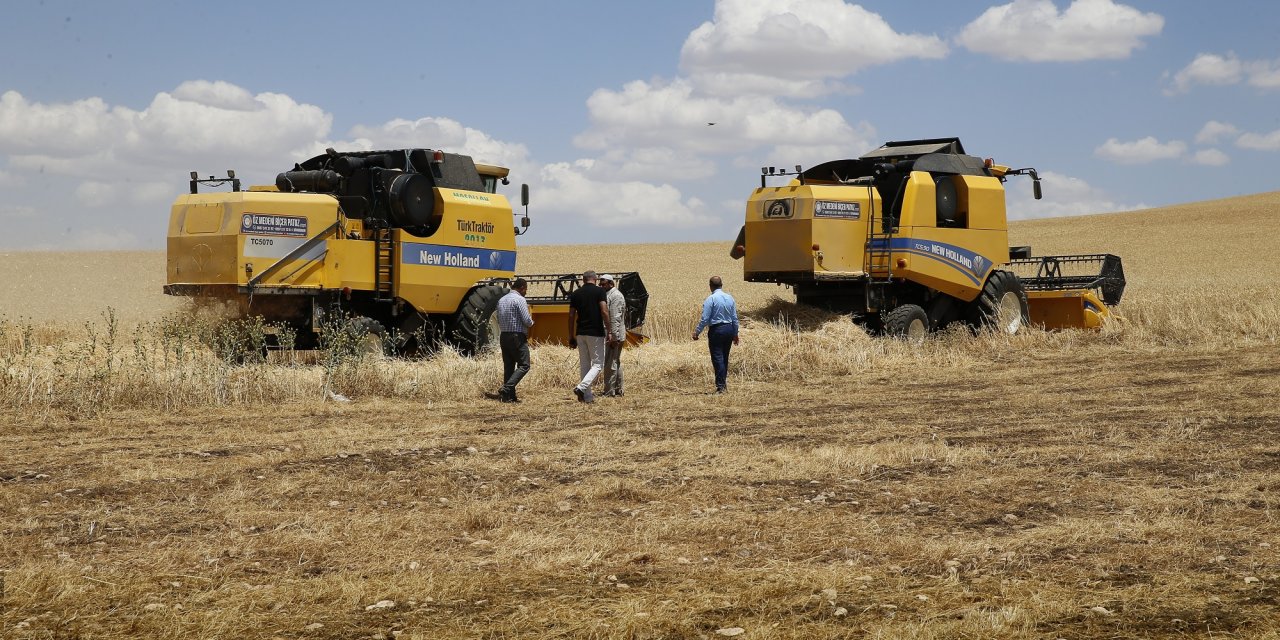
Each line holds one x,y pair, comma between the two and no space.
614,342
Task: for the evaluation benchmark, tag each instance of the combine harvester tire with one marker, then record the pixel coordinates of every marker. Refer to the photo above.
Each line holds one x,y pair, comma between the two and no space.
473,328
1002,305
908,322
368,334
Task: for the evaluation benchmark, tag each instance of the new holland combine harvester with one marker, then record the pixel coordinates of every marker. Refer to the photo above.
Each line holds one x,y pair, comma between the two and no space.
409,243
912,237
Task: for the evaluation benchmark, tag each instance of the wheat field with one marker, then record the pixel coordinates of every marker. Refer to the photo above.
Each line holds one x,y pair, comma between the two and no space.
1114,484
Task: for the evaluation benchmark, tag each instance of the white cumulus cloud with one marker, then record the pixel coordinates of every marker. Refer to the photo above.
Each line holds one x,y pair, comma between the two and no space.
220,94
1210,158
574,187
92,193
1212,131
1264,74
652,164
127,163
70,128
1036,31
1214,69
1141,151
439,133
1260,141
1210,69
675,115
793,47
1063,196
212,125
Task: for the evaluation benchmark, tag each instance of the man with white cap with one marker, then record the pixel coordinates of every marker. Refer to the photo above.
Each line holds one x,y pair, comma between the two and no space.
617,337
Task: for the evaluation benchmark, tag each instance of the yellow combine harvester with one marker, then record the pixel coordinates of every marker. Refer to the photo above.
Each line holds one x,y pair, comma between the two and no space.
912,237
411,244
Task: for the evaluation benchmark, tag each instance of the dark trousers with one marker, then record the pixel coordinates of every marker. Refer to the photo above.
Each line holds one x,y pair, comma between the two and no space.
720,341
515,359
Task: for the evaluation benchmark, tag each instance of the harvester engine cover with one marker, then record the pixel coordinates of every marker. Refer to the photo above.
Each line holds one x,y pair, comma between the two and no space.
392,187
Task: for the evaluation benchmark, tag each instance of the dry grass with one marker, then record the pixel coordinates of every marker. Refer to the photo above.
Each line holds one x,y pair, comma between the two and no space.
1113,484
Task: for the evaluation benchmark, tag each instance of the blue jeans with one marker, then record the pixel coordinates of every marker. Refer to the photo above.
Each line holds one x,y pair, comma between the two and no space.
720,341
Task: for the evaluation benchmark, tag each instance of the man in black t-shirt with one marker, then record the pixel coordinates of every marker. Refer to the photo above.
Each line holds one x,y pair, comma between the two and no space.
588,324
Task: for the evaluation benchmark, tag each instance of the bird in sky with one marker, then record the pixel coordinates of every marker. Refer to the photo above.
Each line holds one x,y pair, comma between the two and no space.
711,124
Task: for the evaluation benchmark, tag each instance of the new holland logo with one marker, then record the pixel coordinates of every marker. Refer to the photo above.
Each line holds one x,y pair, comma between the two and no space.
980,264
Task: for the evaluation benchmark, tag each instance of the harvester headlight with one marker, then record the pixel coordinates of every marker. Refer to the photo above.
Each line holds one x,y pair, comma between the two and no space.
902,263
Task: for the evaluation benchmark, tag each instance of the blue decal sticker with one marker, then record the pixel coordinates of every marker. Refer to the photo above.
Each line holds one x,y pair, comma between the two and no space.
435,255
974,266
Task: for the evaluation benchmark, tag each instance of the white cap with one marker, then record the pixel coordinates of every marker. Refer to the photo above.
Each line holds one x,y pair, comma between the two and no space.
606,277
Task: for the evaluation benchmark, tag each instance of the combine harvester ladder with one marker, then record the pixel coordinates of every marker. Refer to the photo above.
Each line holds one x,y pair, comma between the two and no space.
878,257
384,266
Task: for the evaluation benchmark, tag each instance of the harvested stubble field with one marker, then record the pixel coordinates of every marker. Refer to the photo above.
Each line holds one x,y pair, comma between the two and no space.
1119,484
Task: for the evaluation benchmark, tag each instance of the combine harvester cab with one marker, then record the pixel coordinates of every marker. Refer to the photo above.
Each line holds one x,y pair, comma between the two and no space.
912,237
413,245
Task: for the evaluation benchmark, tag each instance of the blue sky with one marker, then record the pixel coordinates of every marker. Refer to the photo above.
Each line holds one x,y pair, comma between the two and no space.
602,107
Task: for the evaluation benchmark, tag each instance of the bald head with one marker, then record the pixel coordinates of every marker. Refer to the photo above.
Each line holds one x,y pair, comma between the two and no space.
716,283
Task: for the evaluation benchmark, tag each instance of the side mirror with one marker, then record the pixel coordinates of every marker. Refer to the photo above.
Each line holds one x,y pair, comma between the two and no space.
1035,188
524,195
524,222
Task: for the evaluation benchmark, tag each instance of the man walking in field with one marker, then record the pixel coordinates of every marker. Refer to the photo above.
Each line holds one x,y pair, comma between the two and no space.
514,320
617,304
720,318
588,324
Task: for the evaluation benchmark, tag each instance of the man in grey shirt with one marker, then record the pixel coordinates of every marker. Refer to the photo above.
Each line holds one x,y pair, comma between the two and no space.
617,337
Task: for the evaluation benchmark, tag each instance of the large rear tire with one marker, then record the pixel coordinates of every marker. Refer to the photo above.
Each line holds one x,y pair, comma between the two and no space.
908,322
1002,305
473,329
368,336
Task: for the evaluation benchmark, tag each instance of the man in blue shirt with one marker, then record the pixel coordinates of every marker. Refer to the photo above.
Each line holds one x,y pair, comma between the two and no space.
514,321
720,318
